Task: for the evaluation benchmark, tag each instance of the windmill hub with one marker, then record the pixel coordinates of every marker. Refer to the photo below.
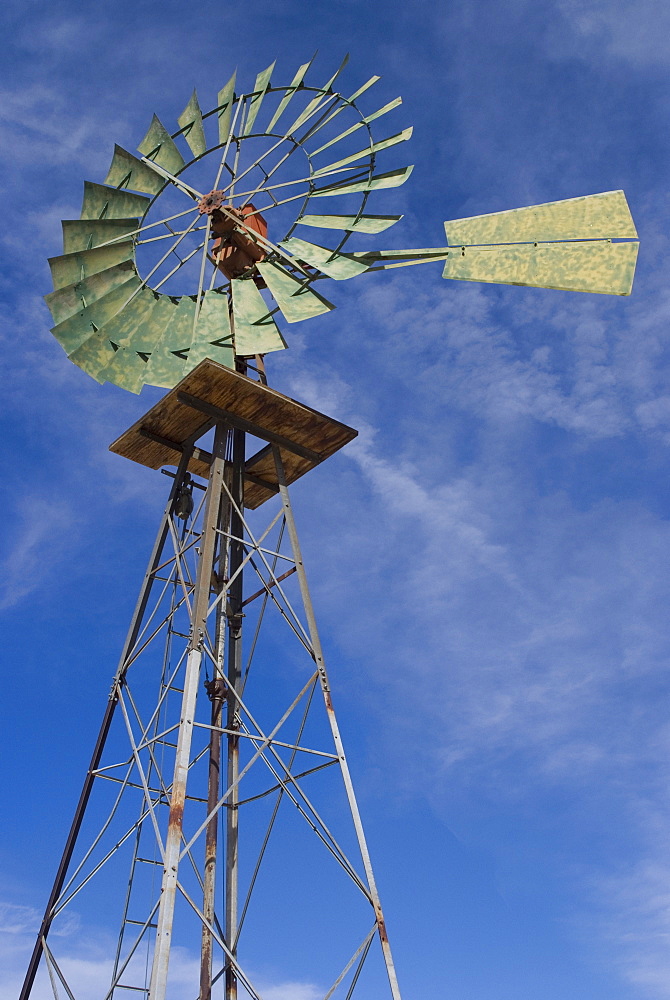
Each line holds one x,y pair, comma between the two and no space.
211,201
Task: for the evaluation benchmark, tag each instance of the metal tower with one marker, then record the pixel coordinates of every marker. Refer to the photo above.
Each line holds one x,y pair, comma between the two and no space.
187,750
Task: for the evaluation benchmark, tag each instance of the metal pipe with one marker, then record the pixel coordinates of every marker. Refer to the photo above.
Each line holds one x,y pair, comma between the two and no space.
161,959
216,690
234,675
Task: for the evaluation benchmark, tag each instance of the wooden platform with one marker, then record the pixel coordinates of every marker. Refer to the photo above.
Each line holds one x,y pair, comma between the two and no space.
213,392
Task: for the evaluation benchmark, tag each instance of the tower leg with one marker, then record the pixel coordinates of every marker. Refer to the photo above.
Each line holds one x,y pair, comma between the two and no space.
131,639
201,596
234,681
337,739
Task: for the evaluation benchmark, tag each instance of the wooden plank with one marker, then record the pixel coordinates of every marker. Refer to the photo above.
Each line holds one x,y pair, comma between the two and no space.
206,456
198,453
305,436
227,416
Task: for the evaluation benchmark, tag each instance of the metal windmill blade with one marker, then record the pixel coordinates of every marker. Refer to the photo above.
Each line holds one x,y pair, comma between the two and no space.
121,322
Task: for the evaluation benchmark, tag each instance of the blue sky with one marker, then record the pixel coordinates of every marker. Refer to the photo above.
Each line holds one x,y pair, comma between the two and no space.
490,557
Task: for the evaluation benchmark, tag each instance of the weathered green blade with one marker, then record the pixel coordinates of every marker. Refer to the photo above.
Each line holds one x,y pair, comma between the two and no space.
260,87
595,216
255,330
65,302
304,115
335,265
73,267
84,234
74,331
159,146
374,148
296,301
93,355
364,121
392,179
165,366
191,121
213,336
126,369
225,99
361,90
602,267
140,325
295,84
351,223
110,203
126,171
135,329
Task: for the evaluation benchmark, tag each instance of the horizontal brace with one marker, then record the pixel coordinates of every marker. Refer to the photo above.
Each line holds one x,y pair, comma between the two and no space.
252,547
294,778
270,743
201,456
161,795
173,475
249,426
198,453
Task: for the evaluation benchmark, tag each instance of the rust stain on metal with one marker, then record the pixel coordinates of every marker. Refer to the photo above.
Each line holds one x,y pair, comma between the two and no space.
176,814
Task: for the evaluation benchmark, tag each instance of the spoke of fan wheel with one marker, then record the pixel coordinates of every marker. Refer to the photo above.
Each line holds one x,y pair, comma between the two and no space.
175,181
201,279
167,236
149,225
179,266
144,281
236,161
296,145
307,180
227,146
327,99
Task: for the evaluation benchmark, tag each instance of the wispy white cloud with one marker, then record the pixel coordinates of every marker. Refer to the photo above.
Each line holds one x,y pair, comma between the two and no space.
87,965
636,33
42,529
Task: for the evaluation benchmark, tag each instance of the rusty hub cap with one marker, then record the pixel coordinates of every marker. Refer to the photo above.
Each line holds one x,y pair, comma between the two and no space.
210,202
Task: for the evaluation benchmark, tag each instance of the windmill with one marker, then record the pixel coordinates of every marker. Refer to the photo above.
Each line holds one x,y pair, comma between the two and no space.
180,273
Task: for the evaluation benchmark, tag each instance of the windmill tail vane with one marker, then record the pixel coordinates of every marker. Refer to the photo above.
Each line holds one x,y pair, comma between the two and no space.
235,241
